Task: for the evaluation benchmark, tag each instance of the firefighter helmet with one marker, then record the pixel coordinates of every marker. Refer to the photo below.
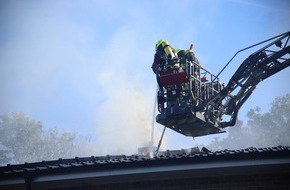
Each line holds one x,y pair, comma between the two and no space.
158,44
177,50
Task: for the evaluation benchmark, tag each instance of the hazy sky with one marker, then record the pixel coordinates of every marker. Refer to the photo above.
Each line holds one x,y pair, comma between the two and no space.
84,66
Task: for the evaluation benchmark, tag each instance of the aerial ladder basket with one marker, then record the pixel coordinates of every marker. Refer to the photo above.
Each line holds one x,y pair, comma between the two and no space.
180,96
197,103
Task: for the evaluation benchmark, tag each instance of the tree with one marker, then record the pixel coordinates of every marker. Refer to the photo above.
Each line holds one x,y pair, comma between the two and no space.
271,128
23,139
262,129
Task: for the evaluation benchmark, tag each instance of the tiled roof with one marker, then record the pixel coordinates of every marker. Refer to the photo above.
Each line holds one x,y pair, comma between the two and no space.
169,162
167,157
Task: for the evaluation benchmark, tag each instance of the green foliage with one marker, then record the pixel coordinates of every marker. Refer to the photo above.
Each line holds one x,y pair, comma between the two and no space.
23,139
271,128
262,129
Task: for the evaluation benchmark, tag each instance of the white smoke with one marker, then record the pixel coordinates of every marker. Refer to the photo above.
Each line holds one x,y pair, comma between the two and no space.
60,66
125,116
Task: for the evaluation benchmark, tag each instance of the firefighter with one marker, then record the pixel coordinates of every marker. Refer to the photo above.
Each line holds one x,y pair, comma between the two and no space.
165,61
163,52
195,70
189,54
185,93
181,55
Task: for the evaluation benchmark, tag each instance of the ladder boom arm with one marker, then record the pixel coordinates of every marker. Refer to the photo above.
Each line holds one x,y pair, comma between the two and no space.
260,65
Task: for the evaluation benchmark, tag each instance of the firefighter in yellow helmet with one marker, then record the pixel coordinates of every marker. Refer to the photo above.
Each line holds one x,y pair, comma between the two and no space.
165,59
163,51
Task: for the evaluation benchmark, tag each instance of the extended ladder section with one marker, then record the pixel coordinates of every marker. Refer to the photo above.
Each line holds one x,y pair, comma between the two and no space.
260,65
193,102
